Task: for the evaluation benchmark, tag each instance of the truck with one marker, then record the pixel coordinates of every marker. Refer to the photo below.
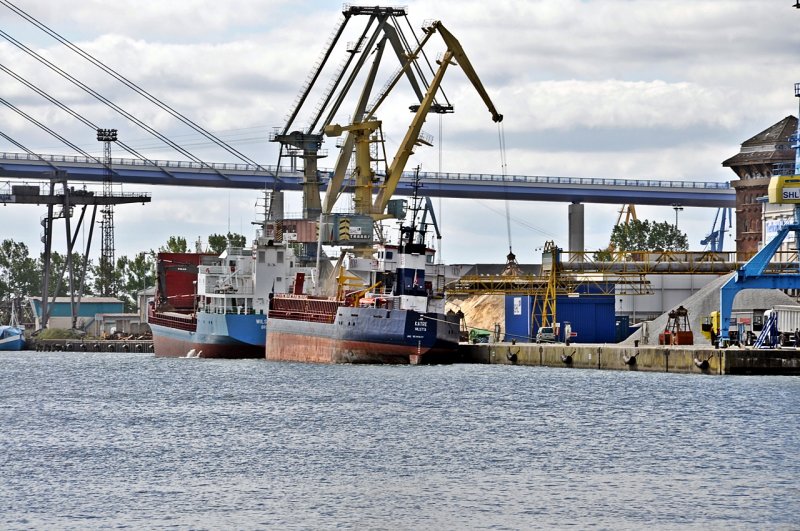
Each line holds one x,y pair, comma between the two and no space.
788,323
746,325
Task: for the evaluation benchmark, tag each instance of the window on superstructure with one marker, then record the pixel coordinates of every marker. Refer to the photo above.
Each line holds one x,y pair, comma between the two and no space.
262,257
280,257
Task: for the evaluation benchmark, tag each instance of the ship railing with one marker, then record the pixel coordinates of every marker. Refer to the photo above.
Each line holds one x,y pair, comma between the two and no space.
234,310
294,315
172,321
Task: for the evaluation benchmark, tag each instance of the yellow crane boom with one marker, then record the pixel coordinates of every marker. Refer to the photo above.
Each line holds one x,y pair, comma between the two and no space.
363,131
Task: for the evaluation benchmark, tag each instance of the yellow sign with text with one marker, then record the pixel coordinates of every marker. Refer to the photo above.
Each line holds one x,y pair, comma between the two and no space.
784,189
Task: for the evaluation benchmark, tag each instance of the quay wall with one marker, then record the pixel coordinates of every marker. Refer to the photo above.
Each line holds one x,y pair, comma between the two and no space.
677,359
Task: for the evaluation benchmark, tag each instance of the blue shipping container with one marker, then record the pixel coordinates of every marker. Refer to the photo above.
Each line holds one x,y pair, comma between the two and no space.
518,318
592,317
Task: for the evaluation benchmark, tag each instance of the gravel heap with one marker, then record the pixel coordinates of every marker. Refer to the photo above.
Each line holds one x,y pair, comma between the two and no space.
706,300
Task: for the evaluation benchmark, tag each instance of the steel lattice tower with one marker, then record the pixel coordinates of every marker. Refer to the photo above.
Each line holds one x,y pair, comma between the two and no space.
107,284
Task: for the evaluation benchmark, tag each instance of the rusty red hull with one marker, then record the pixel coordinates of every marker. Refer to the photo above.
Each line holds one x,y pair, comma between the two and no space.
364,335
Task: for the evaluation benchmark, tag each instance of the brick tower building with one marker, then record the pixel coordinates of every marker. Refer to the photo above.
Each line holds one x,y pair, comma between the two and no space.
754,165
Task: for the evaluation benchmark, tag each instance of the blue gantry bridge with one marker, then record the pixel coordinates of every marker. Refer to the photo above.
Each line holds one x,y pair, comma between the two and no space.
457,185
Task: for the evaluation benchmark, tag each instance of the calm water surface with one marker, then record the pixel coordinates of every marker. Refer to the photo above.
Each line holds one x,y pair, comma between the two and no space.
100,440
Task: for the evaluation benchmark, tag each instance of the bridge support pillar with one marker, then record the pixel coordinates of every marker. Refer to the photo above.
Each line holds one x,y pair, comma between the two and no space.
575,227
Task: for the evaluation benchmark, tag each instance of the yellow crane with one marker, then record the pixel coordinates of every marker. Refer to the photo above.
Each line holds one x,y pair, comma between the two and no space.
363,132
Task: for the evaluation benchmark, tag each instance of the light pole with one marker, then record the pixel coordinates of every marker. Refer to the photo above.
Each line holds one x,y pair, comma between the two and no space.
677,208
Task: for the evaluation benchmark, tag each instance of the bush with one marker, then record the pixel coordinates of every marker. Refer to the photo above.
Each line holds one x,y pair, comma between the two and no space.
60,333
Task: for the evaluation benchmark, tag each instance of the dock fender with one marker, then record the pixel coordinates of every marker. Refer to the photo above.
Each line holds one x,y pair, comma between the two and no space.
96,347
512,356
68,347
629,360
701,364
83,347
138,347
567,358
112,348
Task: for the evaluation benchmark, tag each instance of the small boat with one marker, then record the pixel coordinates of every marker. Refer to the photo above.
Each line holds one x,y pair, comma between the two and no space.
11,338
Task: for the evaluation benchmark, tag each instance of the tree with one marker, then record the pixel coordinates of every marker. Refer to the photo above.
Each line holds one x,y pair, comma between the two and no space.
135,275
638,235
175,244
218,243
59,274
19,274
19,277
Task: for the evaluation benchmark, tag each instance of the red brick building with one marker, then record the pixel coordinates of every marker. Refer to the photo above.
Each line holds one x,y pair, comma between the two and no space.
754,165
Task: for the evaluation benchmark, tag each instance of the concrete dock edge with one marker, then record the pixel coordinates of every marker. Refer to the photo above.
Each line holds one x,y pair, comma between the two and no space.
675,359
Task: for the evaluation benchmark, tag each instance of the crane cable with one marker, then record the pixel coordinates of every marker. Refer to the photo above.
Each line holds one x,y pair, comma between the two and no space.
501,135
439,176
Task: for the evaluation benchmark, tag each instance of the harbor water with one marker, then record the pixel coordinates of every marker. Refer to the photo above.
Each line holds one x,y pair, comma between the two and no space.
104,440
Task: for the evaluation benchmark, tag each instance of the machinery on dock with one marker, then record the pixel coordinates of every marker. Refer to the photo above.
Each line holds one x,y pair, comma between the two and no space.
677,331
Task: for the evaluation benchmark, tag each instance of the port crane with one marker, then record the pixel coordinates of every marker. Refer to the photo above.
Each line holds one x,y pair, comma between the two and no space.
382,28
755,274
364,131
716,238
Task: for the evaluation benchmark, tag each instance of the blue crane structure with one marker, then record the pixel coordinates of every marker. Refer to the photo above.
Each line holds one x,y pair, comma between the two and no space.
716,238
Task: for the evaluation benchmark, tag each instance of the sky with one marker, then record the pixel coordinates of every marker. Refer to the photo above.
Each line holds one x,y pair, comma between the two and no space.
638,89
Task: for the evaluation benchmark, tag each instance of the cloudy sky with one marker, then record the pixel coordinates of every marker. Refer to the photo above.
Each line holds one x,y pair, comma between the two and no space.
589,88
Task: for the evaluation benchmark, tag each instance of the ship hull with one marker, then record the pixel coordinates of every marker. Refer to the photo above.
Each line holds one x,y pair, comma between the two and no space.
229,336
12,343
365,335
11,338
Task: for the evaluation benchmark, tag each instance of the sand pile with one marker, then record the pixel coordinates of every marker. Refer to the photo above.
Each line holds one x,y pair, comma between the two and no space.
481,311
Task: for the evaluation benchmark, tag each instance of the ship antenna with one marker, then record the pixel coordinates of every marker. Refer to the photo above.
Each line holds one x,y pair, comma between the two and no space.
415,207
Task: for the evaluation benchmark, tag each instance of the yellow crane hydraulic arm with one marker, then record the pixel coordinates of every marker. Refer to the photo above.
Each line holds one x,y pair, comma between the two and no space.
395,170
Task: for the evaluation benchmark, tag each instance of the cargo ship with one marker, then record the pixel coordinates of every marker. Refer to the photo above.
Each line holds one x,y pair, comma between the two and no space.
209,306
399,318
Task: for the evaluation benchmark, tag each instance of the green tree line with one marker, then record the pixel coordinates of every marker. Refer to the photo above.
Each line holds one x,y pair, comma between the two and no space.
21,274
646,236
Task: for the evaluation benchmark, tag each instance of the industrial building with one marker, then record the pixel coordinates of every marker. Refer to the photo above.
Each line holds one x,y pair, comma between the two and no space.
97,316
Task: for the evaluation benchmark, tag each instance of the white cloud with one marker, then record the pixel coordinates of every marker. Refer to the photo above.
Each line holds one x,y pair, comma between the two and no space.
606,88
